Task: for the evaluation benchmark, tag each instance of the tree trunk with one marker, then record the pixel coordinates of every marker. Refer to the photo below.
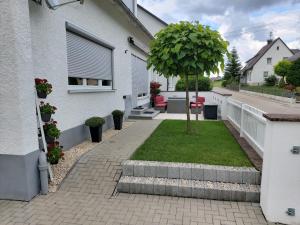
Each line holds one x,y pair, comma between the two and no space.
197,97
187,105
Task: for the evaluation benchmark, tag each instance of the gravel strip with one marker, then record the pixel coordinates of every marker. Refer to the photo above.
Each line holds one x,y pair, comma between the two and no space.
73,154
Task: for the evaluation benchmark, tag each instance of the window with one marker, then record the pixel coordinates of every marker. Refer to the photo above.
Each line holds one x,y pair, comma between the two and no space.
249,75
266,74
269,61
90,61
277,48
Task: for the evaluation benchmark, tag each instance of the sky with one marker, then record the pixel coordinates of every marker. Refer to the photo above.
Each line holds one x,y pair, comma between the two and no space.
246,24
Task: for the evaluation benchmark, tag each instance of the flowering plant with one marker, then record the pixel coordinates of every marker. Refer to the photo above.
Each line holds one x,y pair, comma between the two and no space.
43,86
154,90
54,152
47,108
51,130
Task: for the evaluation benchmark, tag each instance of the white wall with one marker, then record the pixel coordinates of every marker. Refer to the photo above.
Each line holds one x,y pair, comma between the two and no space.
132,5
18,130
257,75
280,176
101,19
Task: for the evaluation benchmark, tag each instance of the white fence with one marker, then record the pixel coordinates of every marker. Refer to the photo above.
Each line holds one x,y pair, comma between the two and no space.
250,123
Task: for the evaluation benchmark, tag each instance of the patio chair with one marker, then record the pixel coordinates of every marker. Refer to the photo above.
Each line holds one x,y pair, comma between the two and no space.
197,106
160,103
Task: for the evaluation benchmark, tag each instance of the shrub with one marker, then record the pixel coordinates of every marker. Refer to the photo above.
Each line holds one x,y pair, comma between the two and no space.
51,130
42,85
47,108
54,153
204,84
293,75
282,68
224,83
94,122
271,80
117,113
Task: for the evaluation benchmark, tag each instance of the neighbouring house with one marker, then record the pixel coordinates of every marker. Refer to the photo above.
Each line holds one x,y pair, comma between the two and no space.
154,24
296,56
94,54
262,64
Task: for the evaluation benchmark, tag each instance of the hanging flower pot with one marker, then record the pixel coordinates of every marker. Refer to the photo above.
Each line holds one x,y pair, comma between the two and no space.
95,124
43,88
118,119
46,111
51,131
54,153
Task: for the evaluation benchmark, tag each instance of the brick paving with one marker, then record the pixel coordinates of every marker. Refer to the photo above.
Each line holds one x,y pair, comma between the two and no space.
87,196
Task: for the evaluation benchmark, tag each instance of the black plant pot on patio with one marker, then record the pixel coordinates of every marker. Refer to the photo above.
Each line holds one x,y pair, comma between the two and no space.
45,117
118,122
96,134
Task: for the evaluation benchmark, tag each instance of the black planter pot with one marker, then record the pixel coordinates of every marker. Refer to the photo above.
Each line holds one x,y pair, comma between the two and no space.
49,140
46,117
41,94
96,134
54,162
118,121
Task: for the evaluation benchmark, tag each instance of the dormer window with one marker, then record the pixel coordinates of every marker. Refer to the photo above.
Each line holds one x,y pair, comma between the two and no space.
269,61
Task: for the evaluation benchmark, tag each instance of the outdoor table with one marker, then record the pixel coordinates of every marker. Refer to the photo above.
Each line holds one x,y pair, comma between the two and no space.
176,105
210,111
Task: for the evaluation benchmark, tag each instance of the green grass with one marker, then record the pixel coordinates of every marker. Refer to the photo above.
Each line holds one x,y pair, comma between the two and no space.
217,83
275,90
210,143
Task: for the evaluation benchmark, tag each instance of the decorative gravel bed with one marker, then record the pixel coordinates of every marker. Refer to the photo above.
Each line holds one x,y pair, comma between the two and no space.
72,155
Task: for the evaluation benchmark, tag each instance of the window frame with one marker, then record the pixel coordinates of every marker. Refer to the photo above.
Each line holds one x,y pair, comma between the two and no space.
266,74
269,58
97,88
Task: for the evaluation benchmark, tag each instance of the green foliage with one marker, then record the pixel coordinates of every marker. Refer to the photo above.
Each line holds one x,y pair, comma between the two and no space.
51,130
282,68
271,80
54,153
42,85
204,84
117,113
233,68
293,75
211,143
47,108
281,83
94,122
186,49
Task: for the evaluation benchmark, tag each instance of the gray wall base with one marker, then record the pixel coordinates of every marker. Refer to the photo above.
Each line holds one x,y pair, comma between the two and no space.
19,176
76,135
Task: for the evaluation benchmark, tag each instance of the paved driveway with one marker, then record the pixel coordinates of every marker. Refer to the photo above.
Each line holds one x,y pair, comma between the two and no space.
87,196
263,103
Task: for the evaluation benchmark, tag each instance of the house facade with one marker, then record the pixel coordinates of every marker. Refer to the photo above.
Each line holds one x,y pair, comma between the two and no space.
94,54
262,64
154,24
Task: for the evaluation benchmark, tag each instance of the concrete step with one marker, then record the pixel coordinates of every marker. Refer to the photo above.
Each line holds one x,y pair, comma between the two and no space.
191,171
148,114
189,188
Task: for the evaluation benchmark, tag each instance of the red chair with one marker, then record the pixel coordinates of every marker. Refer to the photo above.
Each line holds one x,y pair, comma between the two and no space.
197,105
160,103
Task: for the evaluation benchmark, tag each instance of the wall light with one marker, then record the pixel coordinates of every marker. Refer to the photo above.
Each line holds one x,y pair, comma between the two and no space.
54,4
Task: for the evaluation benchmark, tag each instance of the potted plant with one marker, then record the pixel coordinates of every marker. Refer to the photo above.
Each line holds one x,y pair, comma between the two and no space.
154,91
118,119
95,125
43,88
51,131
54,153
46,111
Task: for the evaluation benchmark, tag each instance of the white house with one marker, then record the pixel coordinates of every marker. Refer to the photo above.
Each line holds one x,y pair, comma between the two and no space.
94,54
262,64
154,24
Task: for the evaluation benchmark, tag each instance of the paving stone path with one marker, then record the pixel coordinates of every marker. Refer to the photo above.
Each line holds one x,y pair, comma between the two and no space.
87,196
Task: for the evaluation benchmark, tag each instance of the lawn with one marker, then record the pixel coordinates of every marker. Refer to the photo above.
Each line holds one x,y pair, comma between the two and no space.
275,90
211,143
217,83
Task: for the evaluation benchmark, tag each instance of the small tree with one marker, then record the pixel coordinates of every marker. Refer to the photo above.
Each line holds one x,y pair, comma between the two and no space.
187,49
293,75
281,69
233,67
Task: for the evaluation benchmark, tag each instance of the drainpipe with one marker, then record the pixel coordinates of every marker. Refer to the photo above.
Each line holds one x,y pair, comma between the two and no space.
43,167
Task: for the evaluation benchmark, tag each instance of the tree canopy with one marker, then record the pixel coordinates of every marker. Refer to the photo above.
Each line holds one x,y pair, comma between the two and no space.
293,75
282,68
233,67
187,49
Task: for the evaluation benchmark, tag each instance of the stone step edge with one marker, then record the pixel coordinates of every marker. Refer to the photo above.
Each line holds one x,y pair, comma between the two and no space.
189,188
202,172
